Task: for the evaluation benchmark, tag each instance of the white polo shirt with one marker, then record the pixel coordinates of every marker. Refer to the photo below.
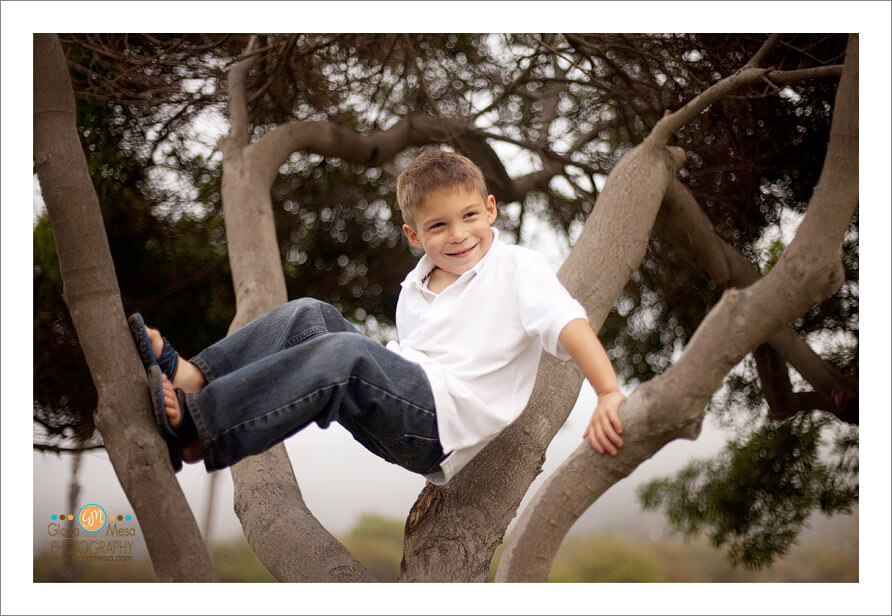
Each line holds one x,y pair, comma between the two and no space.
479,342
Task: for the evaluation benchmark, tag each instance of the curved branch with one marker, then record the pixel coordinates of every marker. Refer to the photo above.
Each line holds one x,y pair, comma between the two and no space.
262,485
279,527
238,101
750,73
684,225
671,405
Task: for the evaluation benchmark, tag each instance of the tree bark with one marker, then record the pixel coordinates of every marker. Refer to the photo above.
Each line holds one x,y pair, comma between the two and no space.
683,224
124,414
283,533
671,405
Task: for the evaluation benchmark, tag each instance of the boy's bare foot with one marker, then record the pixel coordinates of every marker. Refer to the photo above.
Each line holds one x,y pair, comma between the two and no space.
191,452
188,377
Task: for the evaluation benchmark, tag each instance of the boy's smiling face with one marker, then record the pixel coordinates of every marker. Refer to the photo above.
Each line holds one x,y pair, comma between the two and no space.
453,228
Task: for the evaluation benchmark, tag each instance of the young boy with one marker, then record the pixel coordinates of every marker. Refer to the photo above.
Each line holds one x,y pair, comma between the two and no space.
472,318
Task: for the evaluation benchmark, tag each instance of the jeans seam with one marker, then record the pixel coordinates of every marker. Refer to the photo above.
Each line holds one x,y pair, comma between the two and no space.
204,438
304,335
203,367
318,391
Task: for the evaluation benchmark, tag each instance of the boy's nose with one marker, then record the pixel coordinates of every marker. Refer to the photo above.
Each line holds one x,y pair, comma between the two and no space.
456,236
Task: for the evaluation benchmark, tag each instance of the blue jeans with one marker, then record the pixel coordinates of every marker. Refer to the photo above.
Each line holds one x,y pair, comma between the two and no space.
301,363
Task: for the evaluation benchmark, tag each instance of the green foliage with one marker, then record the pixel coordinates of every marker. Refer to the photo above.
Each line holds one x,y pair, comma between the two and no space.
377,543
756,496
234,561
63,392
606,559
339,234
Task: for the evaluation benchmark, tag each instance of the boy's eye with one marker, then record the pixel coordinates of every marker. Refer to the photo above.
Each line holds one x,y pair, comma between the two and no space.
470,214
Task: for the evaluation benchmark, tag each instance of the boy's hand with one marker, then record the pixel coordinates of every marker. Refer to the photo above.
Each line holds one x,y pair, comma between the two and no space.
604,429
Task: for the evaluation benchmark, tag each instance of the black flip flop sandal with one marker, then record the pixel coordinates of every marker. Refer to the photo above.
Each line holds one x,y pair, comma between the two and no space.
168,360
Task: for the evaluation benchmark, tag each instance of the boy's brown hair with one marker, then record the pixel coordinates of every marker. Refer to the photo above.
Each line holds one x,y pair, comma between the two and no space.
434,170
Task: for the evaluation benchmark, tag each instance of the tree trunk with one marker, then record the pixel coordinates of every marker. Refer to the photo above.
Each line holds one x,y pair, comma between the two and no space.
124,414
283,533
671,405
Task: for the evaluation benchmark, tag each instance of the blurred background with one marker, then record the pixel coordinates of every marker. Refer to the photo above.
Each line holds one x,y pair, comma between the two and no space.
156,170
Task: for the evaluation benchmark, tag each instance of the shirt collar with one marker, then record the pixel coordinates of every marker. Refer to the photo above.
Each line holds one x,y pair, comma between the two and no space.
425,266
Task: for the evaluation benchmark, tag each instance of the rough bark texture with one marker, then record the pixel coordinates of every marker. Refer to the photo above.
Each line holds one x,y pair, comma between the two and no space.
671,405
124,414
283,533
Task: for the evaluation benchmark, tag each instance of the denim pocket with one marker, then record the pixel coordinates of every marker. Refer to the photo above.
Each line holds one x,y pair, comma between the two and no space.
419,454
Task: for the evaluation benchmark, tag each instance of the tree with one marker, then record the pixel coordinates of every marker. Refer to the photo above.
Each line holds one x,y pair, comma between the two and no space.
123,414
558,103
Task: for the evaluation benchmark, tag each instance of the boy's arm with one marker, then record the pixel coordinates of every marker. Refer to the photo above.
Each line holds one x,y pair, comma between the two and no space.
604,429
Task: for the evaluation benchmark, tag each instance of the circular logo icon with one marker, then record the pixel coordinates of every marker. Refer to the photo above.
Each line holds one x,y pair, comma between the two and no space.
92,518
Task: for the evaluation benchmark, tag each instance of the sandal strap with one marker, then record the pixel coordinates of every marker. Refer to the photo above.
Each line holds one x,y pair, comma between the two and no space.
168,360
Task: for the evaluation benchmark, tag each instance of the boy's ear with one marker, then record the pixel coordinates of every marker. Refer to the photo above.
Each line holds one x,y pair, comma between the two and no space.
412,236
491,210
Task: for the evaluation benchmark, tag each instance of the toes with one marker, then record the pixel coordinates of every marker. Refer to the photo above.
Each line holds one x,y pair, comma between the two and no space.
156,340
171,404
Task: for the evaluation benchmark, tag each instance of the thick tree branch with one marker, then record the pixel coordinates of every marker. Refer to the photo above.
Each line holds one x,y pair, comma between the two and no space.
671,405
124,415
683,224
280,528
283,533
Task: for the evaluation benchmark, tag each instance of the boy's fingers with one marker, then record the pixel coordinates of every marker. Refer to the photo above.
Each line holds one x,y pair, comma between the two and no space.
603,432
592,440
615,420
604,440
610,434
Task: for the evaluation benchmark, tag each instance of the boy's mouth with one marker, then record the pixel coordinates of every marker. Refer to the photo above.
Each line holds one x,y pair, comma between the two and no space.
461,253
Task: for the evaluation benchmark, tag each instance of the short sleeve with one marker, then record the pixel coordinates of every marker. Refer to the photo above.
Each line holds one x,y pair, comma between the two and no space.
544,304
